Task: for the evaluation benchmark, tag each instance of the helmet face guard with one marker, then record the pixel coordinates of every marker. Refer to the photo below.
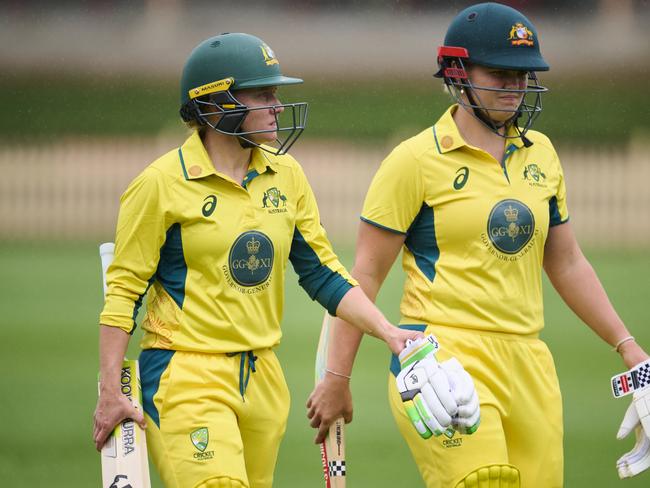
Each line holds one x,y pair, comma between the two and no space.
225,114
494,36
453,62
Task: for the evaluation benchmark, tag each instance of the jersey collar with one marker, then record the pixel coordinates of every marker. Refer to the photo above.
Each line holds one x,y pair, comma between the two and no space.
448,138
446,134
196,163
261,161
194,159
514,139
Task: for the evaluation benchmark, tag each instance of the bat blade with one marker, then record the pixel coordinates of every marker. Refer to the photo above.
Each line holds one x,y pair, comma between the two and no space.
333,447
125,463
124,456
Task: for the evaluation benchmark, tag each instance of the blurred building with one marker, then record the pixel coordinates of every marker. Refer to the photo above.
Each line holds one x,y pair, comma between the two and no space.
329,38
69,187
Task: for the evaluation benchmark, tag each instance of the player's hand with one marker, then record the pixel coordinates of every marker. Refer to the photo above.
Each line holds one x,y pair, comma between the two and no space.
111,409
330,400
637,419
425,389
398,338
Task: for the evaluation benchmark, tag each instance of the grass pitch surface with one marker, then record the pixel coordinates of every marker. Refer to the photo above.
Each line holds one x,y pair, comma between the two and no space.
50,299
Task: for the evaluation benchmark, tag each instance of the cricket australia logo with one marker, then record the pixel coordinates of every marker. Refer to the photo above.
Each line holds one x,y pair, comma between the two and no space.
534,176
274,200
251,258
520,35
452,441
200,439
269,55
511,225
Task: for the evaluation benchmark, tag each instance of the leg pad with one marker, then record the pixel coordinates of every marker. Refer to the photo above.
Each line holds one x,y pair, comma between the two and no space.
222,482
492,476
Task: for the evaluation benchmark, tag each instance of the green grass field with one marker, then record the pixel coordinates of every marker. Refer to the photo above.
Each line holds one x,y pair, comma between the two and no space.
50,300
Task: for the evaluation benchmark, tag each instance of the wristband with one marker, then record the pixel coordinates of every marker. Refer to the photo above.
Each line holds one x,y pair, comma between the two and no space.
635,379
621,342
338,374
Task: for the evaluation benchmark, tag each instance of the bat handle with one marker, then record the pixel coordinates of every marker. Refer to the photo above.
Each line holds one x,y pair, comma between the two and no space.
106,252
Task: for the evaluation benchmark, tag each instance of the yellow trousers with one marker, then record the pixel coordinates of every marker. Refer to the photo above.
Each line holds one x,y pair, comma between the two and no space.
214,419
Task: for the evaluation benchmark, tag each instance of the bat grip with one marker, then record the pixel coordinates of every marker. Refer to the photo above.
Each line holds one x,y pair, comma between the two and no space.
106,252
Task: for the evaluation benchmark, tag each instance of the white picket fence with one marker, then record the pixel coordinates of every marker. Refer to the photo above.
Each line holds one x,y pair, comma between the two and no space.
70,189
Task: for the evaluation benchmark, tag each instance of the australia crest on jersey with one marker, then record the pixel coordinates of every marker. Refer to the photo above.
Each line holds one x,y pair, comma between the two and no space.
274,200
534,175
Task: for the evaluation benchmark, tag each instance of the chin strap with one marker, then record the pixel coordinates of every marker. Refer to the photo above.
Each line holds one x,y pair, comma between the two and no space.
512,121
481,116
527,142
245,143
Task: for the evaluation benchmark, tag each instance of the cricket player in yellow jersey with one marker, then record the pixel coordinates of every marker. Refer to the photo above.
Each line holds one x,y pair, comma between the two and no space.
478,205
206,232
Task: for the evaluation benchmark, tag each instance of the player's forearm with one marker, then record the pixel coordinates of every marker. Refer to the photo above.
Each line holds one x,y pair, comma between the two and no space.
113,342
344,345
375,254
356,309
345,339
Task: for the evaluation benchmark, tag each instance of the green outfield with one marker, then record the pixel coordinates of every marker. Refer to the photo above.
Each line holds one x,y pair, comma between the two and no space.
50,299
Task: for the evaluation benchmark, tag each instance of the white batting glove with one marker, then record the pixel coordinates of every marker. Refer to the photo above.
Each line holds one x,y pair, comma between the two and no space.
637,419
424,388
468,418
438,397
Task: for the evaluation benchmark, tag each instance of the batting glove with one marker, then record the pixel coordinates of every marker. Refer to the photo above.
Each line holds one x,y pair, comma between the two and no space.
425,389
468,418
637,419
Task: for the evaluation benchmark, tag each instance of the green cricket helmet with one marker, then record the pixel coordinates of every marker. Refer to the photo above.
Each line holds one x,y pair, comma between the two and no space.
500,37
221,65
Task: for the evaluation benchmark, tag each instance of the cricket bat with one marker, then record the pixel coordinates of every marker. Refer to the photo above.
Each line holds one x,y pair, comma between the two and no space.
332,449
124,456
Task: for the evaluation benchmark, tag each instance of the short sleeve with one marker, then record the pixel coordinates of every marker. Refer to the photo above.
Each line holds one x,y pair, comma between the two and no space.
396,194
557,205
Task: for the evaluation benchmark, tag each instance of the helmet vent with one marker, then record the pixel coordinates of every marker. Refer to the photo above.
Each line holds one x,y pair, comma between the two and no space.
472,16
215,44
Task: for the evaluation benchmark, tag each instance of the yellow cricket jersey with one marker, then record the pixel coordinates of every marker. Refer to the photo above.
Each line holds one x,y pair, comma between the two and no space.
212,252
475,229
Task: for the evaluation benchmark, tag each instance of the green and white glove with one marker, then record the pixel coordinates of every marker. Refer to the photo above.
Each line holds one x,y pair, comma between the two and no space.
637,419
438,397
